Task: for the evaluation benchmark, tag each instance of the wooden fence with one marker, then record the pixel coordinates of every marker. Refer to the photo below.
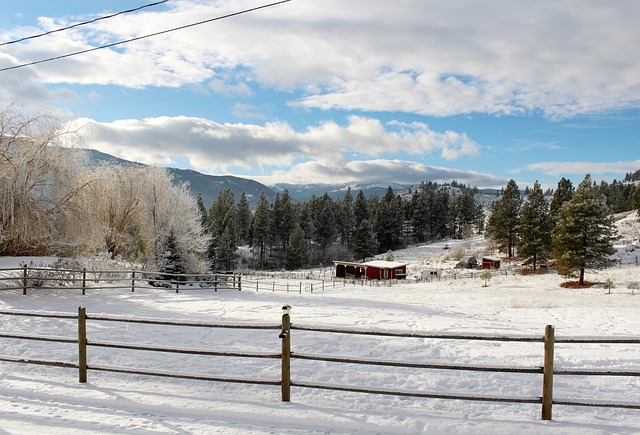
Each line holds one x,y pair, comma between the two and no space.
28,278
38,278
547,370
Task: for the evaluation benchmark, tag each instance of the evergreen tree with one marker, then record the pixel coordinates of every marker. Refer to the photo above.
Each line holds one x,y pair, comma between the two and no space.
324,223
360,209
202,210
416,212
389,220
535,229
222,228
346,218
281,224
261,228
563,194
583,236
503,223
226,249
244,220
365,242
173,263
297,249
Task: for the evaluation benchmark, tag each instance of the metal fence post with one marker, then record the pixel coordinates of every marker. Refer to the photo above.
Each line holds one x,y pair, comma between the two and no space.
547,373
84,280
82,344
285,335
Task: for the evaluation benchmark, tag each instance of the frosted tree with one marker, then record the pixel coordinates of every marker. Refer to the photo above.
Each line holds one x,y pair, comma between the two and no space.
166,207
584,234
113,199
40,181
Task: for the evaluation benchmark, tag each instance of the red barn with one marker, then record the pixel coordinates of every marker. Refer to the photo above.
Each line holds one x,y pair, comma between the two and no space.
490,263
376,269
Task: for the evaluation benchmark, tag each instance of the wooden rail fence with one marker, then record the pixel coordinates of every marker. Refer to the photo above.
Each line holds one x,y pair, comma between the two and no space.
39,278
547,370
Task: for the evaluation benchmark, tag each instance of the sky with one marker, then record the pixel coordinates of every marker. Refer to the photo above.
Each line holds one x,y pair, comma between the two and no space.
335,92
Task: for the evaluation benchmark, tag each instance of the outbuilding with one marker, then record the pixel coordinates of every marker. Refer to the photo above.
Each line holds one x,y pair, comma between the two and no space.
490,263
376,269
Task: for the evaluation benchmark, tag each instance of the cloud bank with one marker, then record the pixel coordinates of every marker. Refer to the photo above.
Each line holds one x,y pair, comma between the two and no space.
320,154
441,59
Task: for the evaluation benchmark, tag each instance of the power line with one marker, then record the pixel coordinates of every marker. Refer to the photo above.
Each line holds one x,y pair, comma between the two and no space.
83,23
113,44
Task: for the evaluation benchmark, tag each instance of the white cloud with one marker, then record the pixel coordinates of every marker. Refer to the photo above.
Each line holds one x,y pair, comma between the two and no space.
557,169
444,58
376,171
212,147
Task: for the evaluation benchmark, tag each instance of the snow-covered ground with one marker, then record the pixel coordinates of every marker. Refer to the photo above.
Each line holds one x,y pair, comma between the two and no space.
50,400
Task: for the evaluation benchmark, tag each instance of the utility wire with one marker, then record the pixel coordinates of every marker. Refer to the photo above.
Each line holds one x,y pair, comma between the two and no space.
84,23
142,37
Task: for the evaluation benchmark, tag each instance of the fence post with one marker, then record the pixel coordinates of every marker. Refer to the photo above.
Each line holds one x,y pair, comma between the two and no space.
133,281
84,280
285,335
24,279
547,373
240,282
82,344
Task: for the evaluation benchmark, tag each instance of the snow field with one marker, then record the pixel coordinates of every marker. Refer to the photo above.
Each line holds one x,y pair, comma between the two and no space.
51,400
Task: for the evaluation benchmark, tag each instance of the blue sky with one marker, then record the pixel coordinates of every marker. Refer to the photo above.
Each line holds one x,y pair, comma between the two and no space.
328,91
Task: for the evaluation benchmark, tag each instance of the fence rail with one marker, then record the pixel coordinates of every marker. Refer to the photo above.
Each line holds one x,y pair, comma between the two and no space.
547,370
41,278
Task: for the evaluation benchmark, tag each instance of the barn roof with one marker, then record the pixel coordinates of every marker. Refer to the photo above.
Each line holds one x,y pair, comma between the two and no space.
381,264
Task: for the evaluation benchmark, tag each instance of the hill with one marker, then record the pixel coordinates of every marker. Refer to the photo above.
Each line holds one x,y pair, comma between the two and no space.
207,185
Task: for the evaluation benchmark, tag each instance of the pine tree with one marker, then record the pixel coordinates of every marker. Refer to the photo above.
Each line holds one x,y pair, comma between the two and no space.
346,218
503,222
202,210
365,242
535,229
173,263
222,228
583,236
297,249
261,228
416,212
360,209
563,194
244,220
389,220
324,223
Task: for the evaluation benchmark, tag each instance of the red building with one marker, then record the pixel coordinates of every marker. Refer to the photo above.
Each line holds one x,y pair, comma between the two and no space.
490,263
376,269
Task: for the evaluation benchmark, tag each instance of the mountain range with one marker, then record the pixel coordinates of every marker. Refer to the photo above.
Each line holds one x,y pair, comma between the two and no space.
209,185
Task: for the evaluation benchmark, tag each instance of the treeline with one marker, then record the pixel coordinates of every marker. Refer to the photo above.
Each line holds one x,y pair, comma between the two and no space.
292,235
575,228
622,196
